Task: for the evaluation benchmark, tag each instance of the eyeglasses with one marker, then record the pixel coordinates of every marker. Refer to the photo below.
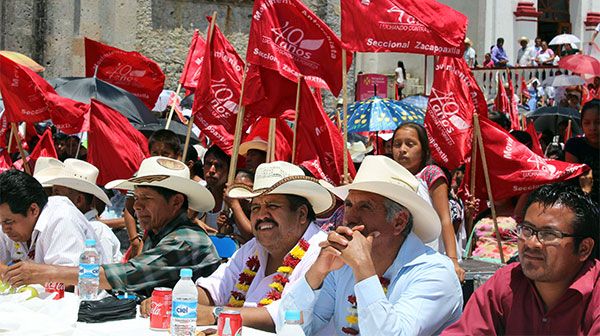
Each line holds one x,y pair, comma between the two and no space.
544,236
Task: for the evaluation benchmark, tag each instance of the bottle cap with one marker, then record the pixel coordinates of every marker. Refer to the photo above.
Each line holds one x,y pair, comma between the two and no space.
90,242
292,315
185,272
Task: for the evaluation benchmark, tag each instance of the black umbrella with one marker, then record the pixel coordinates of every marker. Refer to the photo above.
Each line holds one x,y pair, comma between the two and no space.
83,89
176,126
555,111
553,118
187,101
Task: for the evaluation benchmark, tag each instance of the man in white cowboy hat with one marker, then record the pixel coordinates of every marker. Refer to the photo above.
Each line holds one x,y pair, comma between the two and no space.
163,192
375,276
525,54
469,54
76,180
35,227
283,209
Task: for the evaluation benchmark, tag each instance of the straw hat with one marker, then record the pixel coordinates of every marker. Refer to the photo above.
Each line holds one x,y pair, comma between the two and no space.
381,175
524,38
257,143
282,177
159,171
468,41
75,174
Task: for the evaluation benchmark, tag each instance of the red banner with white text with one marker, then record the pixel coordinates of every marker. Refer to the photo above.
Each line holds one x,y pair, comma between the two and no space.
193,63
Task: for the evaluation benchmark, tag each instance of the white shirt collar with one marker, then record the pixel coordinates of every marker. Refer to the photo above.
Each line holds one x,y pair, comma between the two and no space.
91,215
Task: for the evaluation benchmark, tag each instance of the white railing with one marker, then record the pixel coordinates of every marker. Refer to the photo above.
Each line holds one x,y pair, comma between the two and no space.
486,77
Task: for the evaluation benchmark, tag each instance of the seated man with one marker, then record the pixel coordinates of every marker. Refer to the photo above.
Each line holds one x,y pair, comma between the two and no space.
374,276
283,207
76,180
162,191
35,227
553,290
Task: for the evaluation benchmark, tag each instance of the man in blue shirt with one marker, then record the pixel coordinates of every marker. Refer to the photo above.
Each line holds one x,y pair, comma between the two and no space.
499,55
375,276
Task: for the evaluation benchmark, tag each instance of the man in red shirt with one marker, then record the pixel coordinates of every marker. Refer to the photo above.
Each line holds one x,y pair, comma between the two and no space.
555,289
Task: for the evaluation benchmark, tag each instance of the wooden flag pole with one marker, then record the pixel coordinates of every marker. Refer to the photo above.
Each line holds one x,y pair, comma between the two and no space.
296,119
344,119
190,125
15,131
488,186
173,107
237,137
271,144
469,220
10,138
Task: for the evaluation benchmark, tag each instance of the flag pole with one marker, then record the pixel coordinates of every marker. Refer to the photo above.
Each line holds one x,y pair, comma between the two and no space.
190,124
296,119
488,186
469,221
10,138
15,131
271,144
344,119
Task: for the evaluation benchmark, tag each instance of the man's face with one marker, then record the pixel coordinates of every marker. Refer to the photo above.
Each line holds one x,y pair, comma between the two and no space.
254,158
274,224
152,210
160,149
215,172
368,209
538,42
523,44
69,193
16,226
549,262
500,43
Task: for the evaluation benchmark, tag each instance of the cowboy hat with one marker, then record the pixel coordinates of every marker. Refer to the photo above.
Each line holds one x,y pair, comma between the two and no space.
159,171
381,175
282,177
467,40
358,150
74,174
523,38
257,143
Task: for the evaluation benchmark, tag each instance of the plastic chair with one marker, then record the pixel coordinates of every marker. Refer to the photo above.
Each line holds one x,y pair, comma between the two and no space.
226,246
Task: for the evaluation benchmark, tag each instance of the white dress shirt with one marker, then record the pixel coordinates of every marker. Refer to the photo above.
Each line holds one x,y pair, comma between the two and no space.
107,240
223,280
423,297
58,237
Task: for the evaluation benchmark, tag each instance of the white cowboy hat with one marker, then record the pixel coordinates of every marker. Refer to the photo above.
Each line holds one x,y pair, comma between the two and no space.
381,175
75,174
159,171
358,150
257,143
281,177
524,38
467,40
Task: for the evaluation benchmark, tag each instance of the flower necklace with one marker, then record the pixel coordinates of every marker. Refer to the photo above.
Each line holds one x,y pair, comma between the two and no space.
352,318
291,260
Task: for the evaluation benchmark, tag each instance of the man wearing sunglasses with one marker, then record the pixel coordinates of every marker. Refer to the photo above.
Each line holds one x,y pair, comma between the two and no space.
555,289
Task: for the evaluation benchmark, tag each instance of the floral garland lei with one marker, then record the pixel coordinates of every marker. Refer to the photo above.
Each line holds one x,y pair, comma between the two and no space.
352,318
290,261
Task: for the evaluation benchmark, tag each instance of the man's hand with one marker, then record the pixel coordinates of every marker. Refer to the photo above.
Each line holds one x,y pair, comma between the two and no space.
137,245
25,273
205,315
146,307
205,227
224,224
357,252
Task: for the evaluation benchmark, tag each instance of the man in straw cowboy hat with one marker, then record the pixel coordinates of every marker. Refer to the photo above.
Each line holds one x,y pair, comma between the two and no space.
76,180
38,228
525,54
163,192
375,276
283,207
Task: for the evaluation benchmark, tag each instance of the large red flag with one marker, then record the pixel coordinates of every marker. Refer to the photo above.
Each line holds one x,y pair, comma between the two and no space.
289,38
44,148
408,26
267,93
114,146
455,96
513,168
501,102
128,70
22,91
68,115
193,63
536,147
320,144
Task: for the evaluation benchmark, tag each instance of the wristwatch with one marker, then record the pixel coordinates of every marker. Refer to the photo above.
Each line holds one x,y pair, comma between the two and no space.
216,312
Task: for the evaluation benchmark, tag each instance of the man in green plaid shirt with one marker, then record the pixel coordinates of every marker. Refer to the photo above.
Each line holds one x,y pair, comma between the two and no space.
163,193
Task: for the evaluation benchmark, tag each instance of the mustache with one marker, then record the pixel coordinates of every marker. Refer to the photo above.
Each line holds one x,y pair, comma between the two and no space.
265,220
533,253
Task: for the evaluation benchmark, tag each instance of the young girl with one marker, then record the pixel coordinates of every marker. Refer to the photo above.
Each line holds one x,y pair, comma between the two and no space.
410,148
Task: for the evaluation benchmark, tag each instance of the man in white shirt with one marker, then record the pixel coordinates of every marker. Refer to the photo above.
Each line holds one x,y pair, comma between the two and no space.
375,276
35,227
283,209
469,54
524,55
76,180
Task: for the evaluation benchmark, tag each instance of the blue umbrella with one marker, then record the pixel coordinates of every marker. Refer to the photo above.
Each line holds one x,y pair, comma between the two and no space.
418,101
381,114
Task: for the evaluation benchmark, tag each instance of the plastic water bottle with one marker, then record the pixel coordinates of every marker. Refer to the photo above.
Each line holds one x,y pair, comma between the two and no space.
89,271
292,325
185,301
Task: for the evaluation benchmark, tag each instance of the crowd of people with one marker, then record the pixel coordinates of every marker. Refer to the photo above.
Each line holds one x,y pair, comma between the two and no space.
378,255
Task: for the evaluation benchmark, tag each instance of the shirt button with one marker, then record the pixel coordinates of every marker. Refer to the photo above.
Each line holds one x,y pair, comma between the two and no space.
544,320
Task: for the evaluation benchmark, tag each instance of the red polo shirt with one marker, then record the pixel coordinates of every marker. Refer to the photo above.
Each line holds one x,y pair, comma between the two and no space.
508,303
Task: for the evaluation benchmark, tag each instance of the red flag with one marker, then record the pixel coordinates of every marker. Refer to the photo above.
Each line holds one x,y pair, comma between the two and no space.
193,63
514,105
455,96
289,38
114,146
128,70
501,102
4,130
22,91
259,131
536,147
68,115
175,101
5,161
408,26
524,92
513,168
44,148
320,144
267,93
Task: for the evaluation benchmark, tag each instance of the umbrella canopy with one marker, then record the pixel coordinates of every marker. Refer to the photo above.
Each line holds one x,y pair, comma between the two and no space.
417,101
83,89
566,80
564,39
175,126
555,111
22,60
581,64
381,114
